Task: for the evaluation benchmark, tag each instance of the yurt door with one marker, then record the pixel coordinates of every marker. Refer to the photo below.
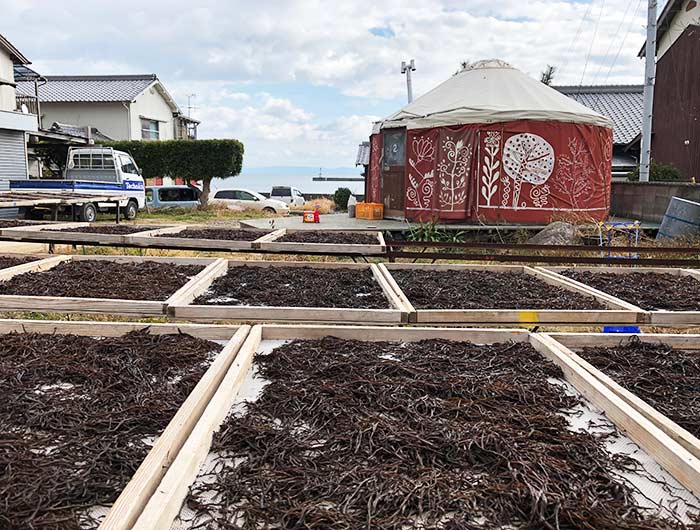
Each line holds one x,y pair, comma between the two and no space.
393,172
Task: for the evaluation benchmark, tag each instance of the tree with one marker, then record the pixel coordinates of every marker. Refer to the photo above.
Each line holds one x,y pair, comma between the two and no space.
187,159
547,77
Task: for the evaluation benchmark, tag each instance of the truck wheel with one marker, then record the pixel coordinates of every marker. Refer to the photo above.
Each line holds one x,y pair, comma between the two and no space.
131,210
88,213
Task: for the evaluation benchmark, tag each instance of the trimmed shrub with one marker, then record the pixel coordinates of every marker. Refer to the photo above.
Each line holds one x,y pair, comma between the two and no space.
658,173
188,159
341,197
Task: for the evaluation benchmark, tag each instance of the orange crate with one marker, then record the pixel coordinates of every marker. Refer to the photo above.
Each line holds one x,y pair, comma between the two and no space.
369,210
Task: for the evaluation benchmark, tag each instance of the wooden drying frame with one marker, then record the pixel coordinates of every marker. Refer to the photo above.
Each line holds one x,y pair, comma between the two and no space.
181,306
145,480
96,305
27,232
271,243
166,502
569,343
44,233
655,318
153,239
618,312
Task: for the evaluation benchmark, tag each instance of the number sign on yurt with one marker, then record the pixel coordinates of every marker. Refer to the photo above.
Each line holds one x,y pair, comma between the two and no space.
492,144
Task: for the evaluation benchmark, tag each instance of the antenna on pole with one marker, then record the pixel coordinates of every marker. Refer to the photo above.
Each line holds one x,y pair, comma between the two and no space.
190,106
649,77
407,69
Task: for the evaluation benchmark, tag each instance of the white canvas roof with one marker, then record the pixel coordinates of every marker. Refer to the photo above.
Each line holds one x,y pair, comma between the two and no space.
489,92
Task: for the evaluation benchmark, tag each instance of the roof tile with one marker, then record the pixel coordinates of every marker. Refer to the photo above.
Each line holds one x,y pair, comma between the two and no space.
89,88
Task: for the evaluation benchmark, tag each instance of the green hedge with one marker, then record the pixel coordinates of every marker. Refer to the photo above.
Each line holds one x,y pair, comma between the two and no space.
658,173
188,159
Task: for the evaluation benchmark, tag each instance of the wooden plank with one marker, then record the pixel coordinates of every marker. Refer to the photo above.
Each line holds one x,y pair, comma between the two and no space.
408,307
455,267
155,239
691,272
389,291
141,259
522,316
30,231
674,458
311,264
164,505
115,329
272,236
211,313
671,428
66,304
619,270
144,482
379,333
199,283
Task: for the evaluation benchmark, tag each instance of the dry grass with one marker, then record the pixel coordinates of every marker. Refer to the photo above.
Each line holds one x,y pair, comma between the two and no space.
325,206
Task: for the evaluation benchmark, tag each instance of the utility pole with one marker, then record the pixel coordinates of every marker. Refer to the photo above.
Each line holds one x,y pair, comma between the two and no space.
649,77
190,106
407,69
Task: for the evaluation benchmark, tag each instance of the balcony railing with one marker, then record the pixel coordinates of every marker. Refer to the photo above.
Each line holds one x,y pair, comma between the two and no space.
27,104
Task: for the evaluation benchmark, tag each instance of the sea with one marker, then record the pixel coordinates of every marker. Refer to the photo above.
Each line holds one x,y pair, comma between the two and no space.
263,181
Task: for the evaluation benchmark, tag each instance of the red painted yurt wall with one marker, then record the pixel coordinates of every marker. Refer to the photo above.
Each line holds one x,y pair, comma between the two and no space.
520,171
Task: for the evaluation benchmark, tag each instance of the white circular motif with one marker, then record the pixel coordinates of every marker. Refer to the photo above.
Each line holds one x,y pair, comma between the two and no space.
528,157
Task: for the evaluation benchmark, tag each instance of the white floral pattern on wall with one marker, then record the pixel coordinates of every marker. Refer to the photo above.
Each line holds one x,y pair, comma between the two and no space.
491,166
527,158
453,170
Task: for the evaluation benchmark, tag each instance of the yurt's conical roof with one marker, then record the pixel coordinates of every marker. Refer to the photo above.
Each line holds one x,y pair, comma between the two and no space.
488,92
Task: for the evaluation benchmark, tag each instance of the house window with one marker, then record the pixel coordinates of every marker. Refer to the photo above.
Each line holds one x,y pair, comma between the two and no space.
149,129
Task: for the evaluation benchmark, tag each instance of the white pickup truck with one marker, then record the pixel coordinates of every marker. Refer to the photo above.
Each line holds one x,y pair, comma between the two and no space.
97,171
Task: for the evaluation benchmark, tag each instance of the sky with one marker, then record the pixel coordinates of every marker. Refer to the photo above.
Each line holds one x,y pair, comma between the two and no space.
300,82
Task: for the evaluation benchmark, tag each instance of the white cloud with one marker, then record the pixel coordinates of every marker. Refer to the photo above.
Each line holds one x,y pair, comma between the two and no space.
216,49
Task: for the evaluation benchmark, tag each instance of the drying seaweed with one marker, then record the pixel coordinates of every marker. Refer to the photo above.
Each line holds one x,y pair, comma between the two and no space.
78,415
473,289
12,223
6,261
666,378
431,435
218,234
106,229
648,290
330,238
296,287
148,280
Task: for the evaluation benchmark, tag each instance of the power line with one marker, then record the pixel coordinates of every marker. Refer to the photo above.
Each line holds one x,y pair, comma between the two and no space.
612,40
595,34
578,32
622,44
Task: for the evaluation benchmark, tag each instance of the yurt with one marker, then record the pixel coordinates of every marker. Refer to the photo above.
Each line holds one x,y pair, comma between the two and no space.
492,144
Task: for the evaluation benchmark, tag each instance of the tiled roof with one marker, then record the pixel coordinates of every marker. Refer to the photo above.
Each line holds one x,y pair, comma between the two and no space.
362,154
89,88
621,103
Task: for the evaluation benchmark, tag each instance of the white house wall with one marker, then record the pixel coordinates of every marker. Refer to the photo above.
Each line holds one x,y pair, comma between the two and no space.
110,118
150,104
681,21
7,93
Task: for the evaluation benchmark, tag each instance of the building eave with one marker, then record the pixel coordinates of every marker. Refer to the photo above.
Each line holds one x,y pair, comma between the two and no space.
17,56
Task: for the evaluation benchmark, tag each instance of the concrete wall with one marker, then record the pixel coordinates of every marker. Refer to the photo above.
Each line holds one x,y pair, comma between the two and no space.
681,21
151,105
110,118
648,201
7,93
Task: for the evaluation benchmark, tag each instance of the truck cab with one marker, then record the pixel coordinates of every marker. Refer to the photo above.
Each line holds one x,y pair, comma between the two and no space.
288,195
98,171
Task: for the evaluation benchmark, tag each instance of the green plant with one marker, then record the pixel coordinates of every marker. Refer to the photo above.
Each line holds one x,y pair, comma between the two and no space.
658,173
430,232
341,197
187,159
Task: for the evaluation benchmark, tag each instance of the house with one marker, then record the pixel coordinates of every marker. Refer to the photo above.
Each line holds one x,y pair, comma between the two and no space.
122,107
676,127
14,123
623,104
